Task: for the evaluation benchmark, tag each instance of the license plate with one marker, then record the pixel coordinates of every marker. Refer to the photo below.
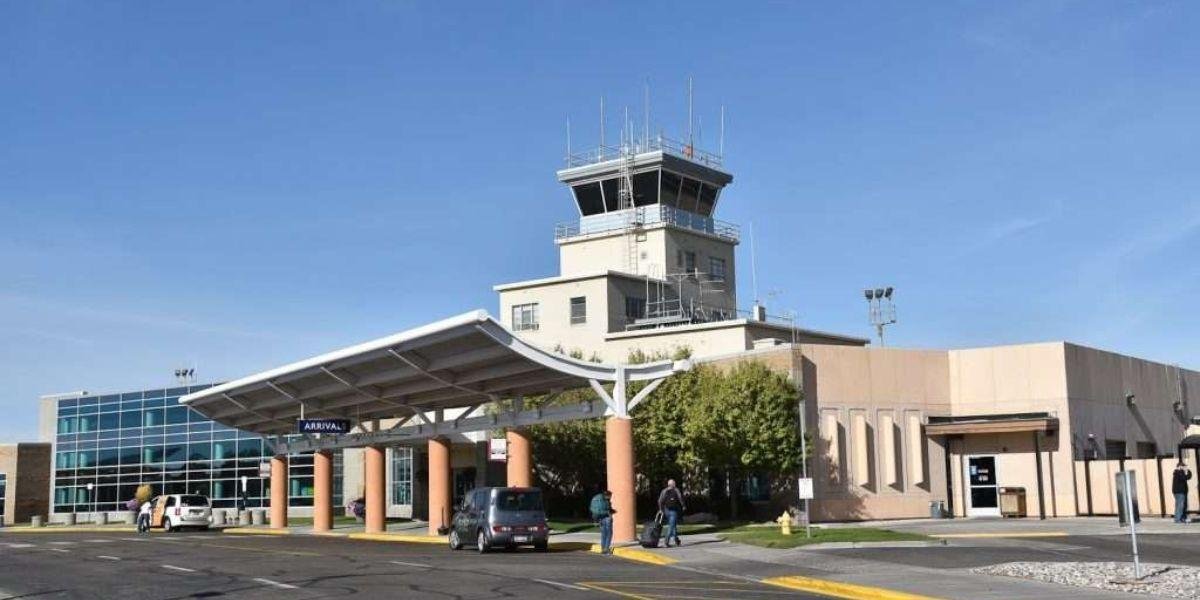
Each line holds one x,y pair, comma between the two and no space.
195,512
520,538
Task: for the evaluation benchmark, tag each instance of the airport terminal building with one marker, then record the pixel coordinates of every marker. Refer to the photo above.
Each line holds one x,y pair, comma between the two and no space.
647,269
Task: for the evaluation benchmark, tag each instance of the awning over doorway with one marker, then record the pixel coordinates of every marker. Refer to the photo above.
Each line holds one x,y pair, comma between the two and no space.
995,423
464,361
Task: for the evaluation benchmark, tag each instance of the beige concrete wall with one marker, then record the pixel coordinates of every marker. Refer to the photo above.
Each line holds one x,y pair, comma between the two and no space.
8,466
708,341
872,459
1016,379
604,252
1016,467
1097,383
554,304
1150,502
704,247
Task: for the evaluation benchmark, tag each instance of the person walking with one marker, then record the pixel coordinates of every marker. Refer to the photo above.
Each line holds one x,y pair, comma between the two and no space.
602,512
670,504
1179,487
143,519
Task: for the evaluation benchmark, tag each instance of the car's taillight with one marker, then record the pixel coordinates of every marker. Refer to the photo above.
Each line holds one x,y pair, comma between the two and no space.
177,511
501,528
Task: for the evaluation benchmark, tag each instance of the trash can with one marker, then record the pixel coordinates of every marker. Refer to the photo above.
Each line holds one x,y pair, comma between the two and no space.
937,509
1012,501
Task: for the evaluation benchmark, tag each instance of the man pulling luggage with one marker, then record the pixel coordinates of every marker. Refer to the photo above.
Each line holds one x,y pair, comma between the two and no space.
670,503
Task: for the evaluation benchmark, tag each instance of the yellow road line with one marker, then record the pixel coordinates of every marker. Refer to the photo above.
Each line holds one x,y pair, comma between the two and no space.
262,550
1005,534
645,556
397,537
256,531
604,588
837,589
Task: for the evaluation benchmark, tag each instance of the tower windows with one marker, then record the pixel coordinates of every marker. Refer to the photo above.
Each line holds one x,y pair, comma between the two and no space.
525,317
578,310
716,268
635,308
689,262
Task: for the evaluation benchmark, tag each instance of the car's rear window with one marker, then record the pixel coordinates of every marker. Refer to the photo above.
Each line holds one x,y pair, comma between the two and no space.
193,501
531,500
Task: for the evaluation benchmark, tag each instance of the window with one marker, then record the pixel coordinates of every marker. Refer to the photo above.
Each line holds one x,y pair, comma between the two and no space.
635,308
519,501
578,310
525,317
401,475
1114,449
716,268
689,262
1147,450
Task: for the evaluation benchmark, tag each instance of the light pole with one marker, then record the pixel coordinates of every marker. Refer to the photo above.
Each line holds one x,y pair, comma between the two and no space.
881,312
92,497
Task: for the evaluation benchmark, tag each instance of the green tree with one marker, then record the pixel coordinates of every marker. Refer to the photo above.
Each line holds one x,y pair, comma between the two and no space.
746,421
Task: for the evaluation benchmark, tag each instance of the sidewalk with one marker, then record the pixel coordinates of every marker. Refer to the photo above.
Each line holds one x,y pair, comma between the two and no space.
751,562
1001,527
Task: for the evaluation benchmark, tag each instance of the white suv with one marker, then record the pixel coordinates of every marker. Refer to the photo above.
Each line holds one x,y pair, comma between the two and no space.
176,511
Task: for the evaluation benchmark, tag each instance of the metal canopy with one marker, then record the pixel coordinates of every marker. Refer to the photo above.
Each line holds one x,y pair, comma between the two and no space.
464,361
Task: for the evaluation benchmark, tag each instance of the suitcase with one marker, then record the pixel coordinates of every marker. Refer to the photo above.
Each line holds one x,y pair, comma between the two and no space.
652,532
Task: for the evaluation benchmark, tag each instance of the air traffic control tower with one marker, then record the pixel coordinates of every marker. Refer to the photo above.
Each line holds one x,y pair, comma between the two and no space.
646,266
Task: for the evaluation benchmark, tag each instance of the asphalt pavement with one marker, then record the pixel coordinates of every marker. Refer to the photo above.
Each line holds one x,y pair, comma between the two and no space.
212,565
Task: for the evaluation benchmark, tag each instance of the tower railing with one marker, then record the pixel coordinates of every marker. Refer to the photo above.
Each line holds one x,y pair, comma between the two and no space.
660,143
645,216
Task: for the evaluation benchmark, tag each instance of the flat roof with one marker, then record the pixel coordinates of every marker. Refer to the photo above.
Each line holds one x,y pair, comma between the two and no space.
673,329
466,360
528,283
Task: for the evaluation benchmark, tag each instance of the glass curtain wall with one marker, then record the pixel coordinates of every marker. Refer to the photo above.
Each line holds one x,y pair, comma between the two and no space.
120,441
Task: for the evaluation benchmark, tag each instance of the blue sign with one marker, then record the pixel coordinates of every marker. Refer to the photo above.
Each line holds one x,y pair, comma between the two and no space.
323,426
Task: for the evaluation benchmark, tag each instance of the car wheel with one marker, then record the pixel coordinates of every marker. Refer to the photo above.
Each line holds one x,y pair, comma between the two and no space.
455,543
542,546
167,526
481,542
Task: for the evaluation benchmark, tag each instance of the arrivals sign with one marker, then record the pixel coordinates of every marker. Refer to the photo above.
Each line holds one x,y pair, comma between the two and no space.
323,426
498,450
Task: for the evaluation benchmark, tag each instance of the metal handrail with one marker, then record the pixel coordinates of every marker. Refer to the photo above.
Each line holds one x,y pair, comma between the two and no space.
640,216
677,148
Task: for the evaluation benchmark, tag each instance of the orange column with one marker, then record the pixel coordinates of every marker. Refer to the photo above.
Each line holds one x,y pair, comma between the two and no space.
376,495
279,492
618,443
439,484
322,491
519,471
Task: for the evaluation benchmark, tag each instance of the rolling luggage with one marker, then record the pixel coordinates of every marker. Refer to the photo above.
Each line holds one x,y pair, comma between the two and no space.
651,532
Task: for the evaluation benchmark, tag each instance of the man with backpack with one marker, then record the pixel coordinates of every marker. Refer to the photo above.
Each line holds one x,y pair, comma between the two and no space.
670,504
1179,487
602,512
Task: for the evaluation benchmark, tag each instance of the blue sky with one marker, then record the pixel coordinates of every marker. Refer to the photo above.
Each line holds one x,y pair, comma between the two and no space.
236,185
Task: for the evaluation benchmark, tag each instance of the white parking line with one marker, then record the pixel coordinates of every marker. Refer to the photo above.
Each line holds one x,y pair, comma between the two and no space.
105,557
175,568
562,585
99,541
275,583
19,545
63,550
409,564
63,543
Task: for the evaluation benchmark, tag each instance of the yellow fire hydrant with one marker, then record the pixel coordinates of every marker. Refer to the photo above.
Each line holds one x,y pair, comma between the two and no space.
785,523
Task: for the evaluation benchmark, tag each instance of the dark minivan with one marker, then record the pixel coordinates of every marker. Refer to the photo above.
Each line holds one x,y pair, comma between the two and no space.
496,517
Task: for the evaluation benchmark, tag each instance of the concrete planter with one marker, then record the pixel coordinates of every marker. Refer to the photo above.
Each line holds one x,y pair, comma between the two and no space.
258,516
36,521
70,519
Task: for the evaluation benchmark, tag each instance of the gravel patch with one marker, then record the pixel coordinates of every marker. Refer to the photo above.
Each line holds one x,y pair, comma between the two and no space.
1171,581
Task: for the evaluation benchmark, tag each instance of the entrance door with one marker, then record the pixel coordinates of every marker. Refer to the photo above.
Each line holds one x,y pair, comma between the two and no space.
983,492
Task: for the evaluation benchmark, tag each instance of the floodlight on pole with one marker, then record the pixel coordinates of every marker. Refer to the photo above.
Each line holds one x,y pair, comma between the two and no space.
881,312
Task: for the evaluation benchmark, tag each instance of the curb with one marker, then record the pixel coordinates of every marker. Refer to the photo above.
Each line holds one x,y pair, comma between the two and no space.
64,529
837,589
971,536
397,537
253,531
643,556
850,545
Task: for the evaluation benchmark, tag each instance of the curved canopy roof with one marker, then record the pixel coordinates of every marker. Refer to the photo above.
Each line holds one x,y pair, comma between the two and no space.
462,361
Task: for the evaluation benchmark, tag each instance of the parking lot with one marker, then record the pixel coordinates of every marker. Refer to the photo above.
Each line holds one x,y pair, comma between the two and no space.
212,565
